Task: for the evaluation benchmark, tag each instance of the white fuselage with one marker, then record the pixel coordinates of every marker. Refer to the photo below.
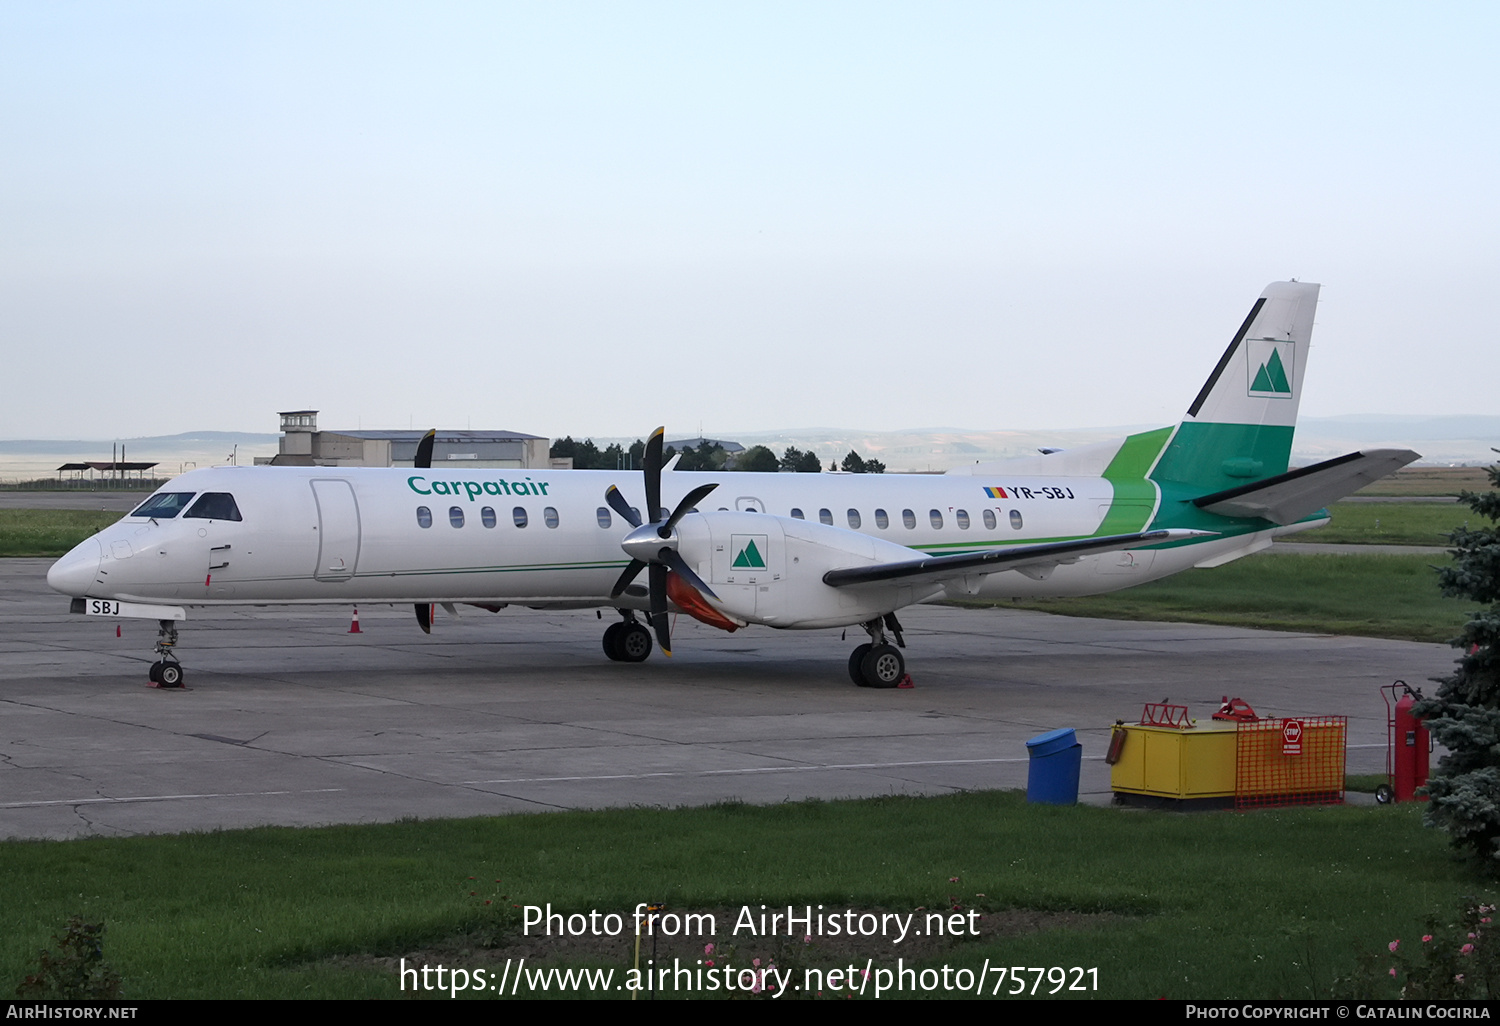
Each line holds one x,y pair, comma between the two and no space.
345,535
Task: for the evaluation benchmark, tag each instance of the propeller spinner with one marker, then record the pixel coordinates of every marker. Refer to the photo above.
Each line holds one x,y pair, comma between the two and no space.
654,545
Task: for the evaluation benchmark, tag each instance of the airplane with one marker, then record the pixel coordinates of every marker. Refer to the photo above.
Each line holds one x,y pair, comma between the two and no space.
789,551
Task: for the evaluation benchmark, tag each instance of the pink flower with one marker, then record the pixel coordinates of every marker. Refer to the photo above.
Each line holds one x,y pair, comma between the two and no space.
1466,949
807,939
1393,945
953,879
1393,970
709,963
708,949
1426,937
1459,978
755,962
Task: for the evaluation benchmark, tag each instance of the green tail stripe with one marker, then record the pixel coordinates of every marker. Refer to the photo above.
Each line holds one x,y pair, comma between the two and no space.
1135,495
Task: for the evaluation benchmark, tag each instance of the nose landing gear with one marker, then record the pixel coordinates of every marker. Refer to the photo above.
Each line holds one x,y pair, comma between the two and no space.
166,672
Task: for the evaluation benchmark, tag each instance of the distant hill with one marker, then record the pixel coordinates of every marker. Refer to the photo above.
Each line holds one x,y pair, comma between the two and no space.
1442,440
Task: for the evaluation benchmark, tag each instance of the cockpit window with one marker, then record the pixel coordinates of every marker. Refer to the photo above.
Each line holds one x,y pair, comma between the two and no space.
163,505
214,506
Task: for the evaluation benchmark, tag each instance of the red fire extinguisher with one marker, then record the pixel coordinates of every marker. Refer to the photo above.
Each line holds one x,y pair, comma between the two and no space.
1408,745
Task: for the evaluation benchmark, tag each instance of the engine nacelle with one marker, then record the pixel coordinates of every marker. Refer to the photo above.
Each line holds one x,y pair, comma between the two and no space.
769,569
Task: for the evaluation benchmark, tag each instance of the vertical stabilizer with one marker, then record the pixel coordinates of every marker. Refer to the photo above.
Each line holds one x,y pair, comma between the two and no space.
1239,428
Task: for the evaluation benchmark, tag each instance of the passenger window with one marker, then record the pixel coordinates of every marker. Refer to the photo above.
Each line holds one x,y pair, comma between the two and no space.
602,515
936,516
214,506
519,516
797,514
456,516
825,516
1015,519
909,519
164,505
962,516
854,519
550,516
424,516
487,516
881,520
989,519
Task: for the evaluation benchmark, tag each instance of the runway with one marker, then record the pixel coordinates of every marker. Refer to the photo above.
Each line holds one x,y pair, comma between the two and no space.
289,719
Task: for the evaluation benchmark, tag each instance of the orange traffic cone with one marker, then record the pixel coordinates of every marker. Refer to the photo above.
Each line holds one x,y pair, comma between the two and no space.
354,626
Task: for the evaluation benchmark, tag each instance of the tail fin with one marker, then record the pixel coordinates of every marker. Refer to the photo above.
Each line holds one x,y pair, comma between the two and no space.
1239,428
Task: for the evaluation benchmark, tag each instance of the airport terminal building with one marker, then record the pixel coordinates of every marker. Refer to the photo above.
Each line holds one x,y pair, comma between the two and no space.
303,445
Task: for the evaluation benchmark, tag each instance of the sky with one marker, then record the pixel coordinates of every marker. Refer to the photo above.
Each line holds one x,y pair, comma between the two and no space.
593,218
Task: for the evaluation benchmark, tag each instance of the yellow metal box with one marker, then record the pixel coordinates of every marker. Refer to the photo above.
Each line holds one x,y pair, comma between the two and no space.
1168,762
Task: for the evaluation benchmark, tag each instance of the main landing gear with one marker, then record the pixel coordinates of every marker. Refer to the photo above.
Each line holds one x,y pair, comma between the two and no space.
627,641
166,672
880,664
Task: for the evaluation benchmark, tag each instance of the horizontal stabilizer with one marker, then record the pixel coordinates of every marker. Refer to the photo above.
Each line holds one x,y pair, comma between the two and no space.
1287,498
934,569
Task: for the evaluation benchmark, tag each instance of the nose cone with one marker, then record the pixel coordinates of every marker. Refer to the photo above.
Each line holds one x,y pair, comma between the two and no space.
76,572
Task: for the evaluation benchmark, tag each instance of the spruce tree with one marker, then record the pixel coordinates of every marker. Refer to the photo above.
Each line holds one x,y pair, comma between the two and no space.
1464,714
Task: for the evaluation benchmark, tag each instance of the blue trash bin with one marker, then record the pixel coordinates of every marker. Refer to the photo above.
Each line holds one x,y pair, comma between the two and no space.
1052,776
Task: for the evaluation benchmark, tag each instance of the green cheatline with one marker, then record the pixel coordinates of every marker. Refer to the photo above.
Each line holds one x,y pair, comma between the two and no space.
1271,377
749,558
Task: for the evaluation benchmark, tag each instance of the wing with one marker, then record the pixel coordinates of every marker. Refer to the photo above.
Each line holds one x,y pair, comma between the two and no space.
934,569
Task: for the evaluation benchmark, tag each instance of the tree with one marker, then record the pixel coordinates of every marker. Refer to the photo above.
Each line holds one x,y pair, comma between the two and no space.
585,454
855,465
1464,714
798,462
757,459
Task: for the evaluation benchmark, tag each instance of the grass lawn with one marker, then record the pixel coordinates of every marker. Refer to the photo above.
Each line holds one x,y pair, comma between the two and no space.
1391,523
1378,596
1275,903
48,532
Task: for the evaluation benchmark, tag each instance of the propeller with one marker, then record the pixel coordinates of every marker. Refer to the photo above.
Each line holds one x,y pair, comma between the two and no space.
654,544
423,460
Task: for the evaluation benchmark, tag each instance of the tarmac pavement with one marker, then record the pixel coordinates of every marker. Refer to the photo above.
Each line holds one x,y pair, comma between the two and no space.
289,719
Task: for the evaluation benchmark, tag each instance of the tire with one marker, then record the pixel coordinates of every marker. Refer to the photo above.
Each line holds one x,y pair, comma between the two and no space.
1384,795
612,641
634,644
155,675
170,675
856,660
883,666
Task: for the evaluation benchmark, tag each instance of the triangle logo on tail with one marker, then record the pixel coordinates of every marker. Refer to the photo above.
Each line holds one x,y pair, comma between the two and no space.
1271,366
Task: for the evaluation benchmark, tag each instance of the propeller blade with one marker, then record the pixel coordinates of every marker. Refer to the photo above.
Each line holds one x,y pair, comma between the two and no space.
424,450
651,464
689,500
424,617
659,606
619,505
630,574
680,567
